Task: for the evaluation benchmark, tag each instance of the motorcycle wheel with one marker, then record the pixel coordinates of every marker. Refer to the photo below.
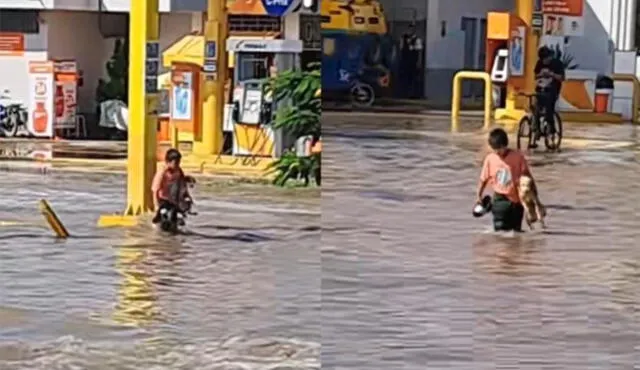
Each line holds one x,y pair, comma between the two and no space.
10,126
362,95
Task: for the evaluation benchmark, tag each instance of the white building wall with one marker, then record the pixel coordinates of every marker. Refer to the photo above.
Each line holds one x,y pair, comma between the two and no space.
27,4
594,50
91,50
13,85
107,5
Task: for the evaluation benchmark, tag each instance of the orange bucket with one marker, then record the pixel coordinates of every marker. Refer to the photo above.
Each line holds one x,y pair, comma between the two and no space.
601,101
163,133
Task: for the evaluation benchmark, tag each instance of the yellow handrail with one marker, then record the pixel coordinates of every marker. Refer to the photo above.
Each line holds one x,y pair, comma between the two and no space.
636,92
457,92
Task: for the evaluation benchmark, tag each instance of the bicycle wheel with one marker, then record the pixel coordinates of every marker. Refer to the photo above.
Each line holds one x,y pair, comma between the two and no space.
553,139
525,131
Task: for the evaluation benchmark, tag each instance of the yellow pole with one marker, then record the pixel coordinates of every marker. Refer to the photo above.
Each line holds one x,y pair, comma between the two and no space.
143,119
175,136
524,10
215,31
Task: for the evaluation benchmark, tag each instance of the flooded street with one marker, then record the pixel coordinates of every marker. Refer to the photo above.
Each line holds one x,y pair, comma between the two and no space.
241,291
412,281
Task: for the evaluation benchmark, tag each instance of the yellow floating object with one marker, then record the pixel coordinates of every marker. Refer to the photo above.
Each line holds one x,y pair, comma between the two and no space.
53,220
118,221
17,223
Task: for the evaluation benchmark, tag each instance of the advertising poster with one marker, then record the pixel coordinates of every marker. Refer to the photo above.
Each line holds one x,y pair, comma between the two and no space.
563,17
563,7
182,97
560,25
516,51
41,99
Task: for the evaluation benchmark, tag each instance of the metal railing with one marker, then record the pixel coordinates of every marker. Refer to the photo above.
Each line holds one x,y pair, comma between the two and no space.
635,103
456,98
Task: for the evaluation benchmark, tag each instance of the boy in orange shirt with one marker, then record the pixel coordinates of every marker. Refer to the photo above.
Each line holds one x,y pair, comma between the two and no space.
503,169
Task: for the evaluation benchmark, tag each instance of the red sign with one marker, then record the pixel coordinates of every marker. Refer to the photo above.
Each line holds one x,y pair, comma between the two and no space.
11,43
563,7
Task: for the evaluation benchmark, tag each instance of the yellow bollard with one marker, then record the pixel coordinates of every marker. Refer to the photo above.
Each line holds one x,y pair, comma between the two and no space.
456,96
210,139
53,220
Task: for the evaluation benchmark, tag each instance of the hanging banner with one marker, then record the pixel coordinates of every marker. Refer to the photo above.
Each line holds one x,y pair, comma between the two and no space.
563,7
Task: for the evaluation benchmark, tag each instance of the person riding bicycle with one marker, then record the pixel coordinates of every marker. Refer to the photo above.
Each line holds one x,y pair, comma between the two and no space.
550,73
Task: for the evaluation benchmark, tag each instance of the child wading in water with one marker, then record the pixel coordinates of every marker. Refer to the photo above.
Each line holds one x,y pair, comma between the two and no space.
502,169
170,186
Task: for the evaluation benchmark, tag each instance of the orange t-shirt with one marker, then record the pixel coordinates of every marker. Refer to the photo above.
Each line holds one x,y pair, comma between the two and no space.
504,173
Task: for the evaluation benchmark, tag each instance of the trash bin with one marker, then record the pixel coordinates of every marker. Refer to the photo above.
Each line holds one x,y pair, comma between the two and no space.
602,100
604,90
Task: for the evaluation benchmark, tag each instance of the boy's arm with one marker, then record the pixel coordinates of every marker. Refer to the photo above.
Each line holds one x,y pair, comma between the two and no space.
155,187
537,69
558,71
484,179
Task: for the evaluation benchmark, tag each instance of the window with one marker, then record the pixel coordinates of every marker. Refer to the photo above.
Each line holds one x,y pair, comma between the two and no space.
113,24
310,32
22,21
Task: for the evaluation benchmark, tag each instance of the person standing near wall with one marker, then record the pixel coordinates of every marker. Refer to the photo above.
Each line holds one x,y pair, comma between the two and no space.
411,71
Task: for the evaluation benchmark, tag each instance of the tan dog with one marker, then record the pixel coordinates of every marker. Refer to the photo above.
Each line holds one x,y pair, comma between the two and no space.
533,208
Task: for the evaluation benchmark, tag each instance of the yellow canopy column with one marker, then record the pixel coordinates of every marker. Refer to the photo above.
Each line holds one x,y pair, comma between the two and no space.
524,10
210,140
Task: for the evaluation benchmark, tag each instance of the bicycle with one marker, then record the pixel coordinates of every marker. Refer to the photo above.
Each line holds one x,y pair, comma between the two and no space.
553,140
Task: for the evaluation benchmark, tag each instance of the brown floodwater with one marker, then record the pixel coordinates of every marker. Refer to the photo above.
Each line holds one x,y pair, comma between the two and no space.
401,276
241,290
412,281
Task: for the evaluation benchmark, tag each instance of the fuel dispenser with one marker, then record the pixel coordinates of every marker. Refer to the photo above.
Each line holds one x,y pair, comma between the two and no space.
506,46
252,109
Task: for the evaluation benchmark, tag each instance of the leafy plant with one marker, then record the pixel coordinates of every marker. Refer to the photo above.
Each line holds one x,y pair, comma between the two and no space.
566,58
116,87
297,94
300,106
291,166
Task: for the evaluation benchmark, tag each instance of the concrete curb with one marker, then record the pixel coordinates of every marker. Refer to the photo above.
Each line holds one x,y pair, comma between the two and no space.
111,167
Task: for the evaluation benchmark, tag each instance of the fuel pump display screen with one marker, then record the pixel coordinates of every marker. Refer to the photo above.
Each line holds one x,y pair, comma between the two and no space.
252,103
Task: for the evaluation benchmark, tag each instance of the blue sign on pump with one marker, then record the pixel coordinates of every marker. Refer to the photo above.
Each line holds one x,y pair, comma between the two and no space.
277,8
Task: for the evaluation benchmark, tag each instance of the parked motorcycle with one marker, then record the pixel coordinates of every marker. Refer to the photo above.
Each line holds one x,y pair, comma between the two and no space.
13,117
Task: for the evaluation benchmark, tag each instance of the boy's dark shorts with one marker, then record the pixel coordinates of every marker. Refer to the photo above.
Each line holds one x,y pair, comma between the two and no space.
507,216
